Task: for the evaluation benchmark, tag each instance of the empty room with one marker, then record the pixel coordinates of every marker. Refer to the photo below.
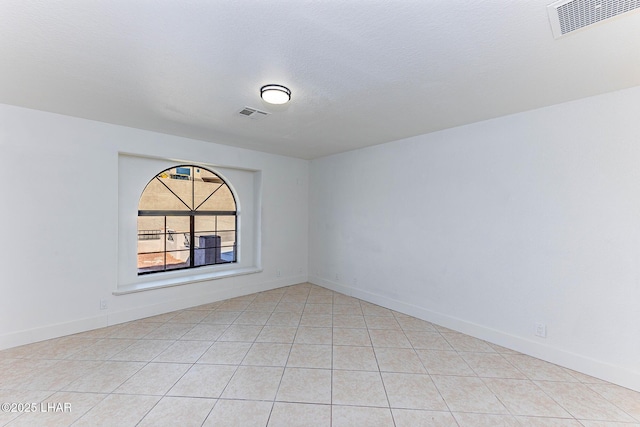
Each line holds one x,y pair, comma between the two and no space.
320,213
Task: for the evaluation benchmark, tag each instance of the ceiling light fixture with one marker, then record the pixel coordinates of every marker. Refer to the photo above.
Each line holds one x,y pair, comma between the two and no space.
275,94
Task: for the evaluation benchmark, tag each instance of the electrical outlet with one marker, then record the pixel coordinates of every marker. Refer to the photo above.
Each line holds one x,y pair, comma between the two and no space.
541,330
278,273
355,281
337,277
104,304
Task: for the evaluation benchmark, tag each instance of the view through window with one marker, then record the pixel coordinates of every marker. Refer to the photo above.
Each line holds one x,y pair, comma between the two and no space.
187,218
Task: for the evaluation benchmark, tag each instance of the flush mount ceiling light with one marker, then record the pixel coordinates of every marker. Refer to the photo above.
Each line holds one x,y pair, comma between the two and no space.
275,94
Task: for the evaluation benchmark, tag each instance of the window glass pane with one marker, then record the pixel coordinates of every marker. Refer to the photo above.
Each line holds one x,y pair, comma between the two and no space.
148,262
221,200
227,233
177,259
205,184
179,180
158,197
207,250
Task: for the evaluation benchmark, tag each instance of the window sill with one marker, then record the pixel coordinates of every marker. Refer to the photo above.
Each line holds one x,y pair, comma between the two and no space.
183,280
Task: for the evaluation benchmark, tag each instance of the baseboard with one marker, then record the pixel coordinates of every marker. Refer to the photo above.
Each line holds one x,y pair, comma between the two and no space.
29,336
576,362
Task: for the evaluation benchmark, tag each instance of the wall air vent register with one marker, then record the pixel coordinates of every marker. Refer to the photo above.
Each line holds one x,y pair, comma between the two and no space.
567,16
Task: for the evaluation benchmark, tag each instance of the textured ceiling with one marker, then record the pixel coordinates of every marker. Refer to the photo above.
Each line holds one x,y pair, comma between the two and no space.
362,72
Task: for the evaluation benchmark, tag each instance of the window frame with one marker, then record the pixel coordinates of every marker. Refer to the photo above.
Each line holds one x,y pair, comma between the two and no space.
191,213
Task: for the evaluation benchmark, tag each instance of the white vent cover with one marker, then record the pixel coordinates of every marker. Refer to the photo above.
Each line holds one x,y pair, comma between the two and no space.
252,113
570,15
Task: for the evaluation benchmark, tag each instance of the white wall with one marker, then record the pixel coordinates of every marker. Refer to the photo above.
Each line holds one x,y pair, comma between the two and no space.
59,215
491,227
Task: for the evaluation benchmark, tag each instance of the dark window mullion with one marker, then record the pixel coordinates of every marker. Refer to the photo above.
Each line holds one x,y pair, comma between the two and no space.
192,241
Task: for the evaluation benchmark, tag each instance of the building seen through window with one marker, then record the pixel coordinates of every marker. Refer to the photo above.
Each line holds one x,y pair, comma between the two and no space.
187,218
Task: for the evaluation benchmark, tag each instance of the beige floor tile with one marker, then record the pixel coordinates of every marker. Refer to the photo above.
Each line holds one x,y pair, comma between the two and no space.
286,306
410,391
295,298
547,422
222,317
350,416
105,378
382,322
502,350
444,363
623,398
233,305
308,335
61,374
17,396
320,299
154,379
178,411
118,409
462,342
135,330
583,403
277,334
203,381
284,318
408,323
262,306
267,354
485,420
592,423
317,320
103,349
523,397
347,309
53,411
468,394
184,352
326,309
170,331
142,351
225,353
415,418
354,358
189,316
536,369
348,321
427,340
375,310
303,385
242,333
253,318
327,341
300,415
388,338
204,332
208,307
23,371
348,336
342,299
254,383
310,356
358,388
491,365
399,360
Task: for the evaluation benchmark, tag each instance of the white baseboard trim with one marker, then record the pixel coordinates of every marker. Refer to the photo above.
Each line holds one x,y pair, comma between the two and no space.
15,339
576,362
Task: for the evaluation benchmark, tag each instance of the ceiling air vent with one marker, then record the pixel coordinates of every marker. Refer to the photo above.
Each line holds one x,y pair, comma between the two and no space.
567,16
252,113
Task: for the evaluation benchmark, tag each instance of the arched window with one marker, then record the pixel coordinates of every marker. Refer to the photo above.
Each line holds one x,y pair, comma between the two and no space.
187,218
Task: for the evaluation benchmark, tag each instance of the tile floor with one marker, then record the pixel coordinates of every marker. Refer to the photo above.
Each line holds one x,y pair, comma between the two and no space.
297,356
